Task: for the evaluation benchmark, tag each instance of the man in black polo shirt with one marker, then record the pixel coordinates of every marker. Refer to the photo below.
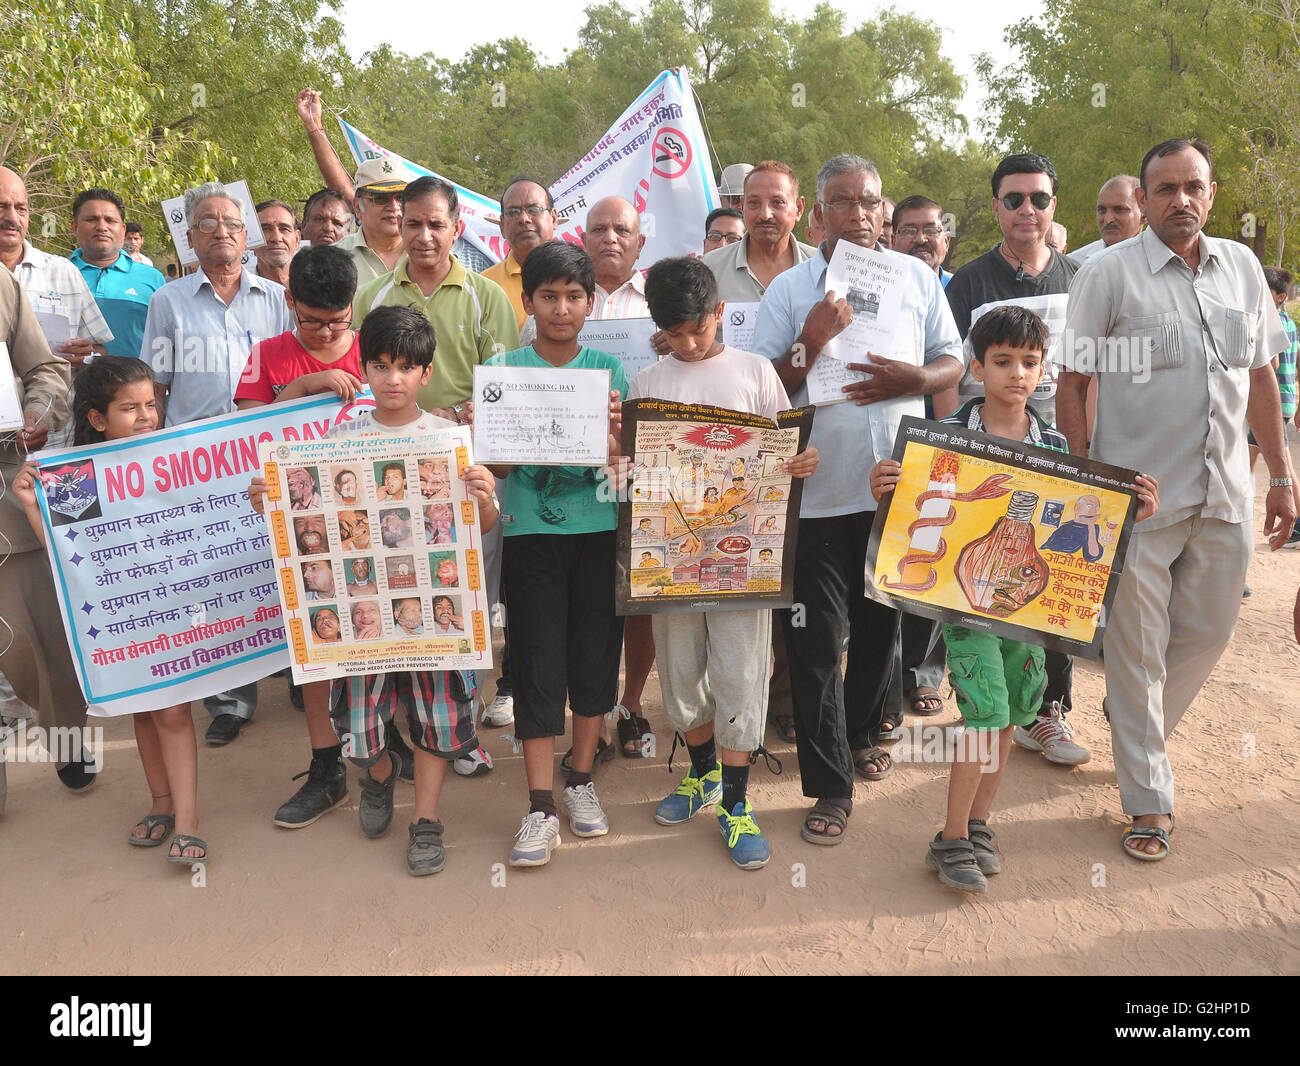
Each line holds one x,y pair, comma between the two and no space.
1023,269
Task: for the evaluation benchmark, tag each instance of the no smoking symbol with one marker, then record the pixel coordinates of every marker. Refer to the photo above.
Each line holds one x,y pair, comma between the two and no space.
672,153
491,392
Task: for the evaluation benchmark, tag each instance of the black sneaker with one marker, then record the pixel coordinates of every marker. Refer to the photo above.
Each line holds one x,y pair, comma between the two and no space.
403,751
326,788
425,853
375,810
224,729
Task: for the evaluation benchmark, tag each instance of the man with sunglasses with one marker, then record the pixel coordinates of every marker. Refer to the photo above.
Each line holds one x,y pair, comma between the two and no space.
838,716
198,337
1179,329
375,192
527,219
1023,269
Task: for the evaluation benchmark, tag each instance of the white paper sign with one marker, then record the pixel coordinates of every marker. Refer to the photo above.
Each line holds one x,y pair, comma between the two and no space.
739,321
11,411
539,416
826,380
174,213
874,286
57,329
626,339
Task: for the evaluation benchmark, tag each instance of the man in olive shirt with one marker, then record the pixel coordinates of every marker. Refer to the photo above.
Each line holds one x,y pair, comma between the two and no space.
472,317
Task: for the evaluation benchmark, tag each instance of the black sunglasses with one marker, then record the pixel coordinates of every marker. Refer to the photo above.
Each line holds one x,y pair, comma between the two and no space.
1040,200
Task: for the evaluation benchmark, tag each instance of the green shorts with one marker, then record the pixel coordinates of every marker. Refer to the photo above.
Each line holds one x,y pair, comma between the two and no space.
998,682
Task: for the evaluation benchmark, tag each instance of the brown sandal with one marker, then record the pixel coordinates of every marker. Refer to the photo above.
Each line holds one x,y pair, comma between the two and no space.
865,758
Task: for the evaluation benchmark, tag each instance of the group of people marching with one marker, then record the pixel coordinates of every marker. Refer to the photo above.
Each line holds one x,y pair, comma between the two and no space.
1009,345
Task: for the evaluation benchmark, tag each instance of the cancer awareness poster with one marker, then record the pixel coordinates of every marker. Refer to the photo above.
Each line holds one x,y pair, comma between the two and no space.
710,516
378,554
653,155
163,569
1010,538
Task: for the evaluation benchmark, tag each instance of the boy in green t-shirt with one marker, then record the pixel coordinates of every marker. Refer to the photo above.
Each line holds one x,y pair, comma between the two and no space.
557,571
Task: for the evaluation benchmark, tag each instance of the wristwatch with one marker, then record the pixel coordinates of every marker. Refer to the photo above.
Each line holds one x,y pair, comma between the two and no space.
458,409
1279,483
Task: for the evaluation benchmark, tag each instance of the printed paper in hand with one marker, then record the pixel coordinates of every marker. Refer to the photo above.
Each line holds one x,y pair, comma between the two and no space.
539,416
11,411
378,554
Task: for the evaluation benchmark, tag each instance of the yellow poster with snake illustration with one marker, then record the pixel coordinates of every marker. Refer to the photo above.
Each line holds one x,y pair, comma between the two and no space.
1002,536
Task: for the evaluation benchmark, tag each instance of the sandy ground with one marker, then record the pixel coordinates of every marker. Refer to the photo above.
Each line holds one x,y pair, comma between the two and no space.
647,899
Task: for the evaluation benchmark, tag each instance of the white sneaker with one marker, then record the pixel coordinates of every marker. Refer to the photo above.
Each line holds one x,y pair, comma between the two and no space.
586,818
500,712
477,763
538,836
1053,736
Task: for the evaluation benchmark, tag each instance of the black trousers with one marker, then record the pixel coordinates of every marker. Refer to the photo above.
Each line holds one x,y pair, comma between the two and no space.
837,710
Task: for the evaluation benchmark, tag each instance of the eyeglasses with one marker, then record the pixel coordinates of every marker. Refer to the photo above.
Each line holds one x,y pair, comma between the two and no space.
724,238
1040,200
912,231
535,211
334,325
842,205
209,225
380,199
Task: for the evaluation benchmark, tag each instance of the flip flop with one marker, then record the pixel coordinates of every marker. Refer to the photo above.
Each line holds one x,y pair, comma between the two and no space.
867,757
604,753
831,814
632,729
150,823
924,701
1148,832
185,841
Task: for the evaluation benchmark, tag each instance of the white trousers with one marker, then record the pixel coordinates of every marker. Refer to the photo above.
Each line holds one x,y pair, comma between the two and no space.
1172,616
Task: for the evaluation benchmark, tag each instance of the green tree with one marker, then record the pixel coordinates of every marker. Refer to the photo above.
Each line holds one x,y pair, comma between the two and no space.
77,111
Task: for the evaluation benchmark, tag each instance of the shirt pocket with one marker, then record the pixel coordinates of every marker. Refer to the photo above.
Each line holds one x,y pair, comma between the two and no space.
1239,351
1159,342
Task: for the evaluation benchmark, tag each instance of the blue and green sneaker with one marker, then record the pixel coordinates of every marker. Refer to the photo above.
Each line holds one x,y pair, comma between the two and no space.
746,843
690,797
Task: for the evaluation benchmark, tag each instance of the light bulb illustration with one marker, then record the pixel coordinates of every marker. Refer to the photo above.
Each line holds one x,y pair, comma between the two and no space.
916,571
1002,570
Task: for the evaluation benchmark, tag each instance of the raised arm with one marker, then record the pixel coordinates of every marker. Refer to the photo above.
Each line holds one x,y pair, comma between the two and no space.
331,167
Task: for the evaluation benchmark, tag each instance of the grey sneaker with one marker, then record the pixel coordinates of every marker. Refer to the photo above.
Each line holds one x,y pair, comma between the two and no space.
500,713
984,841
1051,734
376,808
586,817
954,860
326,788
538,836
425,853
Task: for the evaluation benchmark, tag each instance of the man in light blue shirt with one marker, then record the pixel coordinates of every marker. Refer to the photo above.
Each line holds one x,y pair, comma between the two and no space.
201,329
838,719
198,338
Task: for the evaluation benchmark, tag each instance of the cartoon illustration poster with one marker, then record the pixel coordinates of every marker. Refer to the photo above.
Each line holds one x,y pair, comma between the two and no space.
709,518
1010,538
378,554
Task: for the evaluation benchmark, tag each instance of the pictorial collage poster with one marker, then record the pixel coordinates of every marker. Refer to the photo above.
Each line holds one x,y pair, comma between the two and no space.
709,518
378,553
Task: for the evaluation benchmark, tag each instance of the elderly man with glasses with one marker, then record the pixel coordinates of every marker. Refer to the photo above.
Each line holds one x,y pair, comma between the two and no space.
838,715
198,336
